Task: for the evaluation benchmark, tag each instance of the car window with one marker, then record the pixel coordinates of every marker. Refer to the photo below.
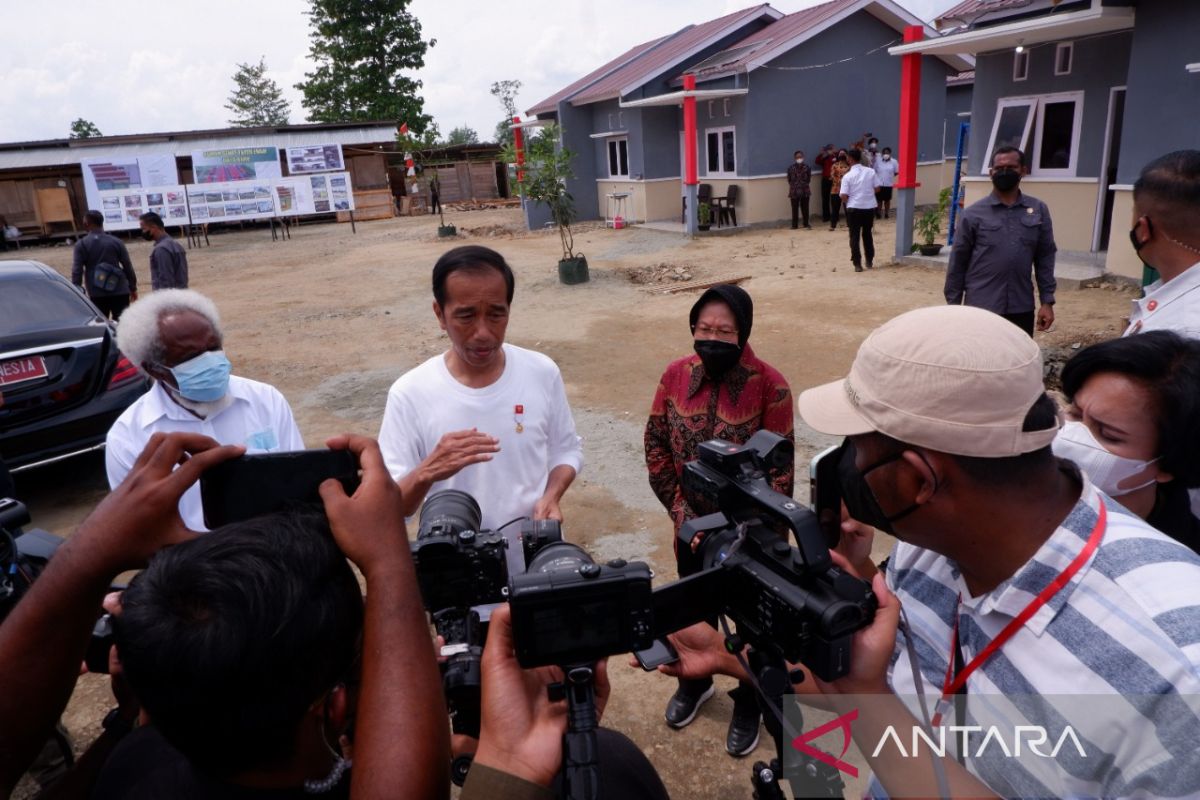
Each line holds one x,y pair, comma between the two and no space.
32,304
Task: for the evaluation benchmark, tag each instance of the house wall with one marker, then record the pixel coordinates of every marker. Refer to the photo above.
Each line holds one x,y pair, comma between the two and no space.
1121,258
958,101
1099,64
576,129
1163,101
1072,206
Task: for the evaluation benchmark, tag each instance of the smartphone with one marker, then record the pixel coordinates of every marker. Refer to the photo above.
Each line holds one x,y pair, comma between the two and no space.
96,655
264,483
659,653
825,493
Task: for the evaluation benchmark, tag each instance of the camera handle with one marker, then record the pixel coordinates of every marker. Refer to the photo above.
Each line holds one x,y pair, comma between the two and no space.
581,763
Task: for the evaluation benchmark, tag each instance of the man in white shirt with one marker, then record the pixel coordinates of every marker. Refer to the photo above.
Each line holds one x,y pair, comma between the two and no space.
858,198
175,336
886,169
1166,209
487,418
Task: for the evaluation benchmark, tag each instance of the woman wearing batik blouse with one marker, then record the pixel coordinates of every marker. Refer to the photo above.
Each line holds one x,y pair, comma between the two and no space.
722,391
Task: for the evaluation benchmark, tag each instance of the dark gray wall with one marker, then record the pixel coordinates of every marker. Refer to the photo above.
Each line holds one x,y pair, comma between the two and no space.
623,119
804,109
958,100
658,146
1099,64
743,135
577,127
1162,106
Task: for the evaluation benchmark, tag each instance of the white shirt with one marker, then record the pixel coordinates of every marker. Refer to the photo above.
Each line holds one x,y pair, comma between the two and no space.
1169,306
526,409
859,186
886,171
258,417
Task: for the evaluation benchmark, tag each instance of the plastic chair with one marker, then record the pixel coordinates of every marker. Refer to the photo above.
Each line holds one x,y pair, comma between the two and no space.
726,206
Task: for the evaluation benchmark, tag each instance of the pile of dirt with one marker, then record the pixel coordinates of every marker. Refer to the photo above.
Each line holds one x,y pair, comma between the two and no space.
489,231
1054,358
482,205
661,273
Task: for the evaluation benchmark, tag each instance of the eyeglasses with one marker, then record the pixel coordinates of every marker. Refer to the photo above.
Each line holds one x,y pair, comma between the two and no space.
704,330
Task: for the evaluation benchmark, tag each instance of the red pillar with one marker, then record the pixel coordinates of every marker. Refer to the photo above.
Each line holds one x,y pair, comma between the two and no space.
519,144
910,110
689,131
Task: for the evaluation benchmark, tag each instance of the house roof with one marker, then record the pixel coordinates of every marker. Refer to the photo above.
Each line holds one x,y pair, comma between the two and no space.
961,79
970,12
792,30
639,64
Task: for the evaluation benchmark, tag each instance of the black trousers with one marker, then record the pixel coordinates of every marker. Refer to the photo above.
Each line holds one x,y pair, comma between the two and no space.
1023,321
826,190
860,221
625,772
799,207
435,203
112,305
835,209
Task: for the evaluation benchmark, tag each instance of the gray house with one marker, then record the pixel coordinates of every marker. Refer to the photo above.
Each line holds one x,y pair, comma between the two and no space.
766,84
1092,90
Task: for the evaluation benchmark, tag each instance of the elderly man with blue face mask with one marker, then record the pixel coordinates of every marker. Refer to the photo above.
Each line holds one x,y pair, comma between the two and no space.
175,337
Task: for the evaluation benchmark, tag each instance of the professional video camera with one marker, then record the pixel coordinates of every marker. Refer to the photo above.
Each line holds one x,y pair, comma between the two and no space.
23,554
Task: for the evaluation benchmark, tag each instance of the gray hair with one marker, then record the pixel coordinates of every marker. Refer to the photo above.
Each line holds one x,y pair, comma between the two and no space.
138,334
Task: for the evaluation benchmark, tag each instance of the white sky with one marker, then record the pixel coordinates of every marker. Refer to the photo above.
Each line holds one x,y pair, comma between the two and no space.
137,67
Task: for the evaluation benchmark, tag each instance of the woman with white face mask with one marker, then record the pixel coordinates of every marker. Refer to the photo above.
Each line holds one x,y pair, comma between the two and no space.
1134,426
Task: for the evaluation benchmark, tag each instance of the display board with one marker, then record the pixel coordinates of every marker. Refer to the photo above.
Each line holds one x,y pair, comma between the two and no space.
230,201
132,172
122,207
315,158
236,164
314,194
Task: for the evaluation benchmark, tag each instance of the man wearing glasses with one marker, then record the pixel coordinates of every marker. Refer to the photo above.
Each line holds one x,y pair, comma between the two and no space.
722,391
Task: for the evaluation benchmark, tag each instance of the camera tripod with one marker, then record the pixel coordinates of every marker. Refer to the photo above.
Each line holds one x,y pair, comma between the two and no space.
581,761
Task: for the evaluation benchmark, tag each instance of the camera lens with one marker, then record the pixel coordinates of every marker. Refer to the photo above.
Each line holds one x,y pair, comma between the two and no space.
449,511
559,556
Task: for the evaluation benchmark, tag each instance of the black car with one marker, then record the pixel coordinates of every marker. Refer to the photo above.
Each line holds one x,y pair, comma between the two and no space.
62,380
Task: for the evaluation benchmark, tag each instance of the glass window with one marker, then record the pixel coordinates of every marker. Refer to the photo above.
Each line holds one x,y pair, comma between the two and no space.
714,152
1063,56
34,304
618,157
1056,136
727,150
1020,65
721,151
1011,128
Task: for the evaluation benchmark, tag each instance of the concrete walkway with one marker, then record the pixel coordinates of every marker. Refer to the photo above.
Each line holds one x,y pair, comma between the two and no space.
1071,270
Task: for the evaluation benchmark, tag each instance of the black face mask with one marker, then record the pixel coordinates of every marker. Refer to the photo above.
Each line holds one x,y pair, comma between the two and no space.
1006,180
1137,246
718,357
147,235
857,495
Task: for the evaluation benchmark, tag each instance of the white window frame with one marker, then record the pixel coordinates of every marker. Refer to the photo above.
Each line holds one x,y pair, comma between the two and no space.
609,146
725,105
1001,104
722,172
1070,48
1020,58
1036,150
711,114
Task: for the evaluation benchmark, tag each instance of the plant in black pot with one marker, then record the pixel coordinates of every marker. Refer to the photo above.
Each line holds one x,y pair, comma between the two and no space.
929,224
704,216
543,179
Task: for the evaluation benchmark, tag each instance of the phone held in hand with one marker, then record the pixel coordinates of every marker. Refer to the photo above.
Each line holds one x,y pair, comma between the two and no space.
659,653
825,495
265,483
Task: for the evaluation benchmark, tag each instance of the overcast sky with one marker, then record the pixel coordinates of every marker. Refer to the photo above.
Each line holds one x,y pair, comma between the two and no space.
137,67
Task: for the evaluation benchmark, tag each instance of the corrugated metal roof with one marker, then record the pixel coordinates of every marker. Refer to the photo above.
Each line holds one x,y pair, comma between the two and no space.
669,54
970,11
961,79
551,102
58,152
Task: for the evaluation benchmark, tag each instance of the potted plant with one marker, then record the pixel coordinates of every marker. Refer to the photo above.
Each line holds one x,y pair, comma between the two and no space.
704,216
929,224
543,179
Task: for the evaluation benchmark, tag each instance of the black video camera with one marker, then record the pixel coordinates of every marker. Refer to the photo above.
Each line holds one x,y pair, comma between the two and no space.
790,602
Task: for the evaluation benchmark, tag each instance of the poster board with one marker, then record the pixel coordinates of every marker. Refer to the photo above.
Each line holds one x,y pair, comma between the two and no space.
314,194
132,172
236,164
315,158
122,207
230,201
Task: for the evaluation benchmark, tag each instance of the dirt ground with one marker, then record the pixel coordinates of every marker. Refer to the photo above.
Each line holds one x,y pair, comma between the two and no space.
332,318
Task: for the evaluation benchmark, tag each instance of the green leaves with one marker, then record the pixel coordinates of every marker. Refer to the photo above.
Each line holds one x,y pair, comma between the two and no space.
546,172
84,129
256,100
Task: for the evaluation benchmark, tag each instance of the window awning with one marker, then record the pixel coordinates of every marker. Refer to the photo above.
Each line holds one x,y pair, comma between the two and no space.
608,134
676,98
1027,32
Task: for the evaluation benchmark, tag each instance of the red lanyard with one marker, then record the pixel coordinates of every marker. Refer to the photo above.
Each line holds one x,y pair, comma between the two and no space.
953,683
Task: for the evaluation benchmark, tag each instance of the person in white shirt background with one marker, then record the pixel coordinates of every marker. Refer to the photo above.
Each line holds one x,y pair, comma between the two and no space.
174,335
858,197
886,170
1166,236
485,417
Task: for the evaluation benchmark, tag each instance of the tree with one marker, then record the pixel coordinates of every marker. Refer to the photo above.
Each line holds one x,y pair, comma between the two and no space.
462,135
360,48
506,93
84,129
256,100
544,179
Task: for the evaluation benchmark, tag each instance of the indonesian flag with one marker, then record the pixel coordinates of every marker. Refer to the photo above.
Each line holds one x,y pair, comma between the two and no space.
404,128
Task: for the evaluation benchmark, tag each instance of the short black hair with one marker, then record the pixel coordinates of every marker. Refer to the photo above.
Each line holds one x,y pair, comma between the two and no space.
1171,183
93,217
1168,365
472,258
854,153
873,139
886,150
1008,149
228,639
152,219
797,153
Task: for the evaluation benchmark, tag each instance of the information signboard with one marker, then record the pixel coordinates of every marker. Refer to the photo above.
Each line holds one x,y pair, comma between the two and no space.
230,201
236,164
122,207
315,158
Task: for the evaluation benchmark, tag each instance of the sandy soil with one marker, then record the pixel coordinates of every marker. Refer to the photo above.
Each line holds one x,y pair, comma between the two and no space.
332,318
